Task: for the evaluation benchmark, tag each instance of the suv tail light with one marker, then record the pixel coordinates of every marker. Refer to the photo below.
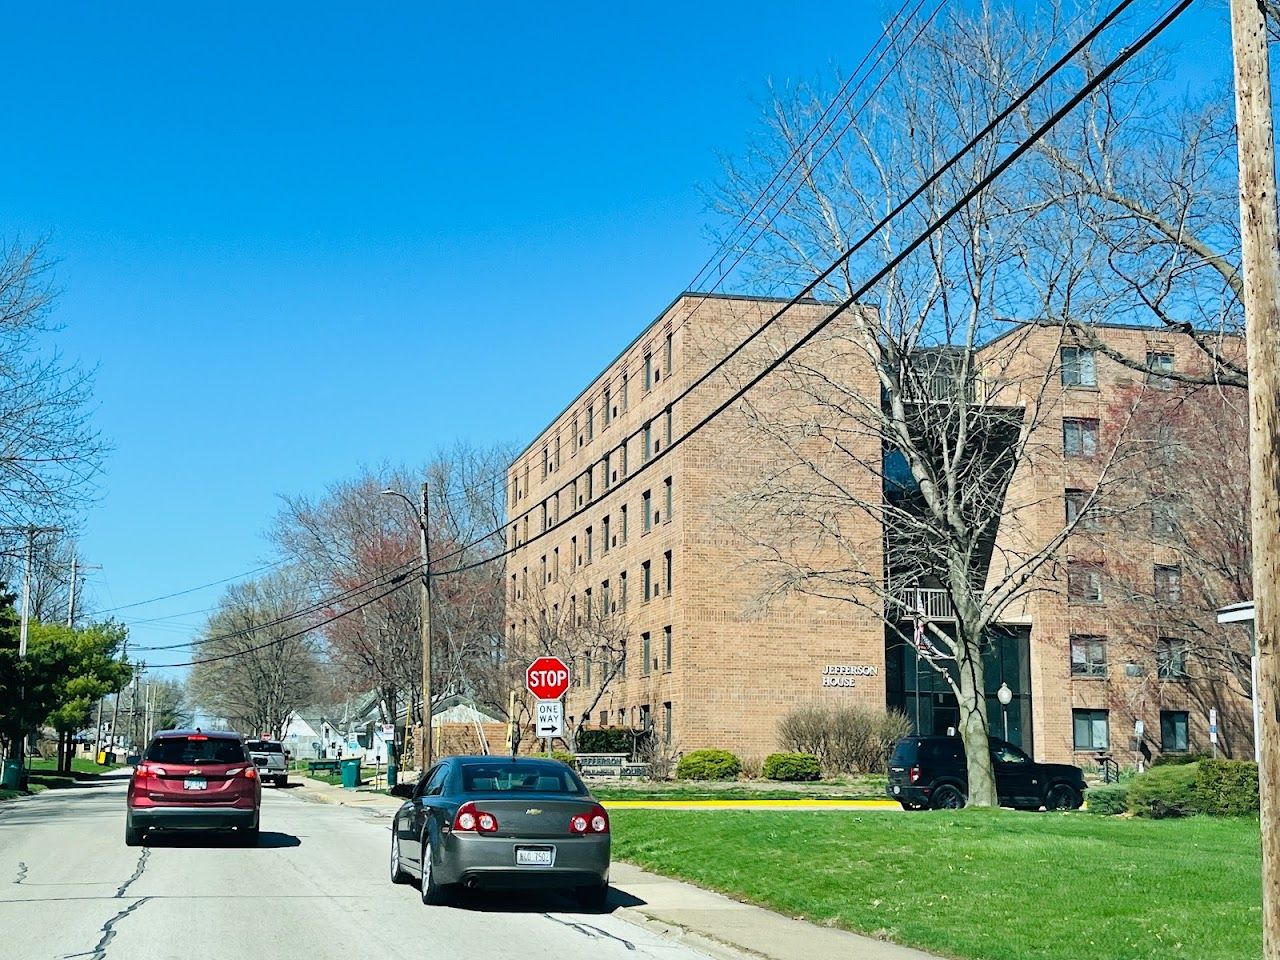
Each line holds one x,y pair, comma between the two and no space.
470,819
597,821
913,774
147,772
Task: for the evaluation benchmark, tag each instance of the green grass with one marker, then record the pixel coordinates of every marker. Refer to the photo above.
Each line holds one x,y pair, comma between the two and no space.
335,779
978,884
43,773
869,787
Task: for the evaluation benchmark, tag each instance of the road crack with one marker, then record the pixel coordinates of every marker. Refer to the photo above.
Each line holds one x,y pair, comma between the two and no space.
587,930
99,952
22,872
137,872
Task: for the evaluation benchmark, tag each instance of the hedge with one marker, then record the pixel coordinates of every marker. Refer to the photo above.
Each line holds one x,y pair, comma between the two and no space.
1167,791
563,756
792,767
1107,800
708,765
1178,759
609,740
1227,788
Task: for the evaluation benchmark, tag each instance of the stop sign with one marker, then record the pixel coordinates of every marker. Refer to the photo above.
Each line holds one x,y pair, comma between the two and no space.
547,678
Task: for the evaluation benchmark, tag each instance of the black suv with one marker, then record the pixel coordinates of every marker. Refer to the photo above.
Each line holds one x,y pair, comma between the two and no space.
930,772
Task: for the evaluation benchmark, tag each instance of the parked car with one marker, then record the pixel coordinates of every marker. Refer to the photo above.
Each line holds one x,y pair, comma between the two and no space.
931,772
271,759
191,780
501,822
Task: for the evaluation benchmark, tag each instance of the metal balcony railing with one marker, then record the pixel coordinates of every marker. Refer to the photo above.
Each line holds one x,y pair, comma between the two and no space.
933,603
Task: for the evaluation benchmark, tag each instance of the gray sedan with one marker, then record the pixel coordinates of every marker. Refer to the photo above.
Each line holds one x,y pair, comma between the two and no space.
498,822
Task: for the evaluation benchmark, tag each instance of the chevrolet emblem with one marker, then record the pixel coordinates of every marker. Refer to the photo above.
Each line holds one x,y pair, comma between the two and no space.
193,770
533,811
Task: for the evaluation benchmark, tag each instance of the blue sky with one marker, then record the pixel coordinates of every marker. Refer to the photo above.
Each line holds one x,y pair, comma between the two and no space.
295,238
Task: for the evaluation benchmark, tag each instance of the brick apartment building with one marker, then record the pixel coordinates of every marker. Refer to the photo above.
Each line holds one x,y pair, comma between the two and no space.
626,541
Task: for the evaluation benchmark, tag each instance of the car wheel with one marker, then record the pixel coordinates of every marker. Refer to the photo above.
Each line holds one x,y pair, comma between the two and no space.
433,894
397,872
1062,796
947,797
594,897
132,835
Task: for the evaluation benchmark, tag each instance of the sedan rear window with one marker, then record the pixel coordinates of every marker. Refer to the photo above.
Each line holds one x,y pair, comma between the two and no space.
520,777
196,750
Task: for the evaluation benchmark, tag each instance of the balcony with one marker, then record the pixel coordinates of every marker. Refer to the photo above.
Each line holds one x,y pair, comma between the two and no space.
935,604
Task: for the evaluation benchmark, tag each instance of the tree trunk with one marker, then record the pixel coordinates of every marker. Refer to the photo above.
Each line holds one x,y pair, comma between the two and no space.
62,752
974,729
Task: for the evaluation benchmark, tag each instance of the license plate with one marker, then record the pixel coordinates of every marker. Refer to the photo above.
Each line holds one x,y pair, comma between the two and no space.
535,856
897,789
195,783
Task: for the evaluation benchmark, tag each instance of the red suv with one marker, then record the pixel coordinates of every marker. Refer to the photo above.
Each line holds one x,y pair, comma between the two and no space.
191,780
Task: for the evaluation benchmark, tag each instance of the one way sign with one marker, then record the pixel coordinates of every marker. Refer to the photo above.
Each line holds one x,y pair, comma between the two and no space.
550,718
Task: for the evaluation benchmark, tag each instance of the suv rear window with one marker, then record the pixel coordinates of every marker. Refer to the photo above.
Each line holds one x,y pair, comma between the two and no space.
264,746
196,750
904,754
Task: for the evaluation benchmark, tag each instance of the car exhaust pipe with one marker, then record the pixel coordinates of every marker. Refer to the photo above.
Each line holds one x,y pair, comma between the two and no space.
471,883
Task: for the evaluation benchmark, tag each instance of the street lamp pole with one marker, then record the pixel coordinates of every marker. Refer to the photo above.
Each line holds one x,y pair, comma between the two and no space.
425,617
1005,696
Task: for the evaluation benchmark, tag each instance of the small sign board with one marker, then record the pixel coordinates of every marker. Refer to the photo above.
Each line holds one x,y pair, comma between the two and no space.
550,719
388,731
1213,726
601,764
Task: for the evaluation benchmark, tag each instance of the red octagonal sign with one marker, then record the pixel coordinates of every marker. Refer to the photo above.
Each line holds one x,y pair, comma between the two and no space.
547,678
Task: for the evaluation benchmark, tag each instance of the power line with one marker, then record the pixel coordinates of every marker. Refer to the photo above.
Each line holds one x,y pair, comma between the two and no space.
203,586
1093,83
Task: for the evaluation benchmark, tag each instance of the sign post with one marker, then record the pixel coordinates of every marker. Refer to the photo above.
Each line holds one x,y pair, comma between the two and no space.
1213,729
548,680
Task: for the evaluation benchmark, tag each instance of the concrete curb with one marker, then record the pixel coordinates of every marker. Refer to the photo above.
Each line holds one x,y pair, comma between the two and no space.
815,804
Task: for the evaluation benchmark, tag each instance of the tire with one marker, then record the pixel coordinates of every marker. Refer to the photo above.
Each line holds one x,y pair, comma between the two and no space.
433,894
132,835
1062,796
947,797
594,897
397,872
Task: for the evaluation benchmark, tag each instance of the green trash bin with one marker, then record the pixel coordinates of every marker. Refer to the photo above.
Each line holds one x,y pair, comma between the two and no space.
351,773
392,771
11,775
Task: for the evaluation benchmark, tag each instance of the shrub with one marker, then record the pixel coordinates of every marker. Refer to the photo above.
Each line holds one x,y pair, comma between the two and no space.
708,765
1227,788
752,767
792,766
1167,791
564,756
1178,759
606,740
1107,800
845,739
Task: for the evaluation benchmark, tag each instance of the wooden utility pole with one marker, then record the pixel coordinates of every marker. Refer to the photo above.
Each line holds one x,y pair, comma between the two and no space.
1260,256
427,732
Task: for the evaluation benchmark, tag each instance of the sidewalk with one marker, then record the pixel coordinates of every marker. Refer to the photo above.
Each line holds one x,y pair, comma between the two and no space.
706,921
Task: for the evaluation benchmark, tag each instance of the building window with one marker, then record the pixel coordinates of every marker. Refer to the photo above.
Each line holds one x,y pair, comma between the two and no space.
544,515
589,539
1171,658
666,647
622,524
578,441
646,512
555,564
1088,656
1163,516
588,610
667,496
1173,731
1168,582
573,550
622,664
545,578
1078,507
667,572
546,462
513,586
608,410
586,675
622,590
1084,582
667,432
645,653
648,372
666,723
1091,729
604,534
668,357
556,459
1079,437
1159,365
588,477
646,445
646,580
1078,367
591,421
605,609
626,390
644,716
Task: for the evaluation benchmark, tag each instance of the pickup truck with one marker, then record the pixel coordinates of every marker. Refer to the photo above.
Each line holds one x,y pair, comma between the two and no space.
271,759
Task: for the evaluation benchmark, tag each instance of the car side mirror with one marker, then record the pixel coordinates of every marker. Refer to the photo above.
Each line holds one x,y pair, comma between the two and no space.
403,790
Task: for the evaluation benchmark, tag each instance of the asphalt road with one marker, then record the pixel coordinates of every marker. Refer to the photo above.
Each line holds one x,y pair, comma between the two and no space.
315,887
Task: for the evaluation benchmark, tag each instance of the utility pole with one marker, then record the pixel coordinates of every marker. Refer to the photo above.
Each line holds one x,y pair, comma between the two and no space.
1260,258
75,576
30,532
428,747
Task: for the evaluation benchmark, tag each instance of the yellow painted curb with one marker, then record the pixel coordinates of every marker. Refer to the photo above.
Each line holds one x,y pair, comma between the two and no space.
812,804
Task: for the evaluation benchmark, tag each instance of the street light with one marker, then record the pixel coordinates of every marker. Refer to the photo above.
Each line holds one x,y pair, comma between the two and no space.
1005,696
425,620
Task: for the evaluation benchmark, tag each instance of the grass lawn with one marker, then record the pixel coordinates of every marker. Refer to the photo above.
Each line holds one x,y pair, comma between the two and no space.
43,775
860,788
335,779
978,884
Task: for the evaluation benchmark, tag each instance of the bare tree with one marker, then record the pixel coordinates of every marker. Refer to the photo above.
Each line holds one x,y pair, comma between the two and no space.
918,418
50,455
251,670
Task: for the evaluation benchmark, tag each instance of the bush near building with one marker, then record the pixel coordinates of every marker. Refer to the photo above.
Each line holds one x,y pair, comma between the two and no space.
708,765
1108,800
608,740
845,739
1217,788
564,756
792,767
1178,759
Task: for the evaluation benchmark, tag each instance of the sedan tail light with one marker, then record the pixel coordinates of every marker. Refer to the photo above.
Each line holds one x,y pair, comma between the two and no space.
470,819
597,821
